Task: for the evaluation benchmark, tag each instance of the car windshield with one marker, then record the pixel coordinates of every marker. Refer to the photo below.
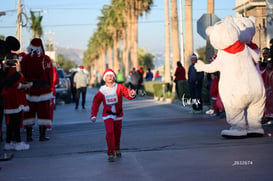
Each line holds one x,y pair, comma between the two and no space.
61,74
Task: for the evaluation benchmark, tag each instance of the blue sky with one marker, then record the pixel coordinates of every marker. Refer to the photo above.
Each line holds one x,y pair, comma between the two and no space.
73,22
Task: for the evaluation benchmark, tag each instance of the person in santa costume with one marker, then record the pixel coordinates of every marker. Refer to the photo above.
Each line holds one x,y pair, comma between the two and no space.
53,100
37,68
111,95
15,104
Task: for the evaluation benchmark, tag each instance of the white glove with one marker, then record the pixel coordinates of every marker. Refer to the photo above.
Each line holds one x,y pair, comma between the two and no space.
93,118
199,66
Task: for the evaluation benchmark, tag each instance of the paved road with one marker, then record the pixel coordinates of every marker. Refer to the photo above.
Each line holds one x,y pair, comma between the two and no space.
160,142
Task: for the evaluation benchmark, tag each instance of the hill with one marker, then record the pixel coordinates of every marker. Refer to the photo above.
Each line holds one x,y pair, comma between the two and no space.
73,54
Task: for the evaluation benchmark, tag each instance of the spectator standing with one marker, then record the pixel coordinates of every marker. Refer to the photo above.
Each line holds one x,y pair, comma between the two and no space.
38,69
180,76
129,80
268,83
111,95
195,81
135,80
120,77
214,92
149,75
73,86
81,81
140,87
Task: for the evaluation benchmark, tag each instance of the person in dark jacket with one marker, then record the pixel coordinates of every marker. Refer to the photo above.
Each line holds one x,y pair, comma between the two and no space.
195,81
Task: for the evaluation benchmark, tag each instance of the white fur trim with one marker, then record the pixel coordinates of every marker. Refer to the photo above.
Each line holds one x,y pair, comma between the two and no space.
29,122
108,73
44,122
17,110
114,117
40,98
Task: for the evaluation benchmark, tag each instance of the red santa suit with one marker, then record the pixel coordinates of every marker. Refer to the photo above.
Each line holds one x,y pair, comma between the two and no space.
37,68
111,97
14,98
214,93
53,89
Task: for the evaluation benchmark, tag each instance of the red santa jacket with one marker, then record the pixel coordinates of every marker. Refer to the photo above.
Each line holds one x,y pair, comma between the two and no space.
39,70
112,101
55,81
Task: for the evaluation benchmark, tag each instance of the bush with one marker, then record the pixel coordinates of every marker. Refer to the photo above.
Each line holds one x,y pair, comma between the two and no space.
162,89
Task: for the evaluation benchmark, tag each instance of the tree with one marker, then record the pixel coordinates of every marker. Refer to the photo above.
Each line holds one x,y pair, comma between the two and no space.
118,22
36,27
201,53
145,60
64,63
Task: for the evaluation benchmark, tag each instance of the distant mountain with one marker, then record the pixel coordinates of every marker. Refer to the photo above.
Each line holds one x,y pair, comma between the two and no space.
159,60
76,55
73,54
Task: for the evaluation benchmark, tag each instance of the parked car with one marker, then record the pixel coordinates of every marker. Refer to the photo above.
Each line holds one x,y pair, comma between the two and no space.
63,89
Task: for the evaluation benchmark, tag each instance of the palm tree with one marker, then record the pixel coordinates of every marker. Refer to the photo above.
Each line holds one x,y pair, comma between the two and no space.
167,43
36,27
119,21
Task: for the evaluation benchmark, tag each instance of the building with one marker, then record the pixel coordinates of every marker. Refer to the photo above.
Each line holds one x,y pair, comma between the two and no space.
259,9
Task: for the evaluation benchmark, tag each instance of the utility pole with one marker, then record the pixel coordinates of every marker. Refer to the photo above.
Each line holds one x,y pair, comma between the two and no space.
209,48
181,34
19,24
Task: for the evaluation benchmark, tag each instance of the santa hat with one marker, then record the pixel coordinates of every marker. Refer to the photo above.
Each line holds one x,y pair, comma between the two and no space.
108,72
36,45
194,55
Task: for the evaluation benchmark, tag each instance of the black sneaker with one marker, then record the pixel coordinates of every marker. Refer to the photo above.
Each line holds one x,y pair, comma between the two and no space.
111,157
118,153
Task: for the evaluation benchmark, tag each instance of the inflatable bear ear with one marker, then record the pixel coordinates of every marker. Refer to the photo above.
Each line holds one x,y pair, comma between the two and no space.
12,43
229,18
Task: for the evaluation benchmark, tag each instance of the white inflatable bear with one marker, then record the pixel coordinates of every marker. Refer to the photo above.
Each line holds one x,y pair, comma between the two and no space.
241,87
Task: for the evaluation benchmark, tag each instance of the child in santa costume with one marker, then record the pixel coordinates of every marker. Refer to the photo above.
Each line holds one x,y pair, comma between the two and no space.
214,92
111,94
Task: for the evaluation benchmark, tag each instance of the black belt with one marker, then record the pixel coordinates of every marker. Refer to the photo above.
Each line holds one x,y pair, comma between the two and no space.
40,84
114,113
